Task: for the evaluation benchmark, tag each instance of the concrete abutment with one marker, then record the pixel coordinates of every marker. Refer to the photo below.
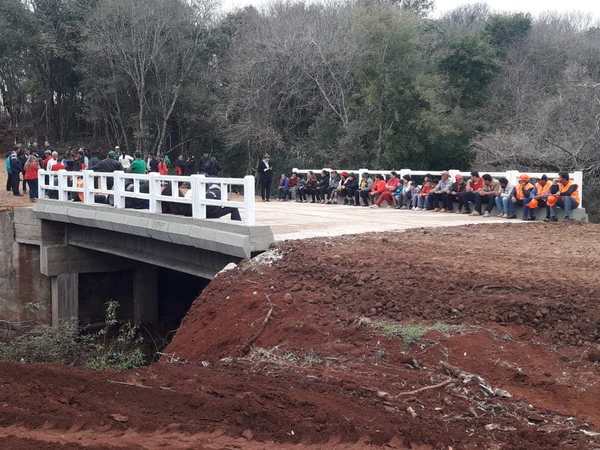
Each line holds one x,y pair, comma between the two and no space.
79,269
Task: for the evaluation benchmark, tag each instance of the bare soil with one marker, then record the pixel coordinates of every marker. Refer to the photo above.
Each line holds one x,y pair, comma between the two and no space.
501,326
7,199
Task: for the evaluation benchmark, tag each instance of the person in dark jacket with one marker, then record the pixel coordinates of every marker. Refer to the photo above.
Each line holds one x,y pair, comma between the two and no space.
23,155
323,186
211,167
8,172
15,173
350,188
265,177
107,165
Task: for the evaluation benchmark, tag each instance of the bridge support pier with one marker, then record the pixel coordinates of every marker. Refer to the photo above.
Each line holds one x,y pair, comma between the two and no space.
145,294
65,298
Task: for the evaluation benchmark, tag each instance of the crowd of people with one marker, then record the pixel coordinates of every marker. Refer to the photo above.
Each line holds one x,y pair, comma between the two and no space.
479,195
23,163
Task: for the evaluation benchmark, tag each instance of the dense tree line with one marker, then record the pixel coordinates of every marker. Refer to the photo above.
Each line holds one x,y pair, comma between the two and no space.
363,83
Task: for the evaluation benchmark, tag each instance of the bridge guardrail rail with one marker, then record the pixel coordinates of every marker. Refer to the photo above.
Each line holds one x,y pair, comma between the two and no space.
87,186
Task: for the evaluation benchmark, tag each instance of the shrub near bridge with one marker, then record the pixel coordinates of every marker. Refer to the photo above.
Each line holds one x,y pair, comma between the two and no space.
116,346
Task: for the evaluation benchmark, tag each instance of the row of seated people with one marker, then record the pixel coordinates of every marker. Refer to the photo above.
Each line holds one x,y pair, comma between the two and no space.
476,196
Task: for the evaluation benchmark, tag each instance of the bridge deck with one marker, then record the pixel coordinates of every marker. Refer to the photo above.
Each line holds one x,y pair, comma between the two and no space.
291,220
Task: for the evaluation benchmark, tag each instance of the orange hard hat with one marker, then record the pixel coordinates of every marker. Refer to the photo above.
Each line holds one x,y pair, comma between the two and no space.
551,200
533,204
524,177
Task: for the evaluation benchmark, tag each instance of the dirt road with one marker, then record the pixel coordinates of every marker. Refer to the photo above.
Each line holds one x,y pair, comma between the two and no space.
472,337
7,199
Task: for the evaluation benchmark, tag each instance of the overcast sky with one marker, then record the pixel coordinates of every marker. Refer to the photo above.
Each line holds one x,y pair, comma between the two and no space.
532,6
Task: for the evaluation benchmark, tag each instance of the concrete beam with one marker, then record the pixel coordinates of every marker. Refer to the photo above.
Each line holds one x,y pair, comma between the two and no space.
145,295
65,298
227,238
57,259
197,262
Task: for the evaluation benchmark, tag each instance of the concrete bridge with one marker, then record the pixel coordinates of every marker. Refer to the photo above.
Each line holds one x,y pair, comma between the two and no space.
94,235
78,241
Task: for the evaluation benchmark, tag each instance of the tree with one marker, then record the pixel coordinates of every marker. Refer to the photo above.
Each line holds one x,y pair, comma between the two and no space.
470,67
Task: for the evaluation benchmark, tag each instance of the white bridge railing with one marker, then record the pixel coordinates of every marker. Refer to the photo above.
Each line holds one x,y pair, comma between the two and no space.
95,188
511,175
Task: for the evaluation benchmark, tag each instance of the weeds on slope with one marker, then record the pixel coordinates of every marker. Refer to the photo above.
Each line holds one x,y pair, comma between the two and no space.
116,346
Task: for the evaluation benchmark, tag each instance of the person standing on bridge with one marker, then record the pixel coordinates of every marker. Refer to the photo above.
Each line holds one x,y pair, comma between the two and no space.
8,172
124,158
31,176
265,177
15,173
138,165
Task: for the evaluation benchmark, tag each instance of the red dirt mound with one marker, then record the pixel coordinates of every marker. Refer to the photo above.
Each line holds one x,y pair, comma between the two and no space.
513,310
464,338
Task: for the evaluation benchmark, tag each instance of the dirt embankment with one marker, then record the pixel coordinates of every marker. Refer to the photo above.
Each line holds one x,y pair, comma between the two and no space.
472,337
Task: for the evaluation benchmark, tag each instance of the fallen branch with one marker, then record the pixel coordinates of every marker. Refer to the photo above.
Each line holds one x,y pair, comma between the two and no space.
129,384
426,388
248,345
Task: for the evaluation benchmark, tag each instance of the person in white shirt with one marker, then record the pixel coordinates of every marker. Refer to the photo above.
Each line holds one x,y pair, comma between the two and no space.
503,203
124,159
53,160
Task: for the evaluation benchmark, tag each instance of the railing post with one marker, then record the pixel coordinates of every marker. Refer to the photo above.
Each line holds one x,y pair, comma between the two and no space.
41,183
578,180
249,200
198,196
118,189
88,187
63,195
154,191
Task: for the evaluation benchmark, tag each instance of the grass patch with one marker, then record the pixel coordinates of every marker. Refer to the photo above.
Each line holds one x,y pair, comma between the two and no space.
411,333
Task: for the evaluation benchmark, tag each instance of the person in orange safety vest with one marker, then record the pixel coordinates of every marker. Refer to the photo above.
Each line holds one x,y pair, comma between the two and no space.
542,192
523,194
565,195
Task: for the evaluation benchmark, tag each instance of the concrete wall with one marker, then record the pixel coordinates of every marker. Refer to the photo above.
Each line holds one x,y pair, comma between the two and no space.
25,294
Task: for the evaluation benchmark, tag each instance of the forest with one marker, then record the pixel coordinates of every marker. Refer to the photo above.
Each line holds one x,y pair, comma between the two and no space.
358,83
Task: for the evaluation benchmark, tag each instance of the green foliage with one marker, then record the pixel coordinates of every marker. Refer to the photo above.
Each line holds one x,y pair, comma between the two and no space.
115,347
505,31
61,344
412,333
470,66
353,84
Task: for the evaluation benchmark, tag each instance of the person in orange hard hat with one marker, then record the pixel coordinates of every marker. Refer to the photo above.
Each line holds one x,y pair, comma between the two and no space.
523,194
565,195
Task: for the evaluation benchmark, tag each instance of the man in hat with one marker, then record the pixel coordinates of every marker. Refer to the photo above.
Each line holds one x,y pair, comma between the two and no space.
523,194
265,177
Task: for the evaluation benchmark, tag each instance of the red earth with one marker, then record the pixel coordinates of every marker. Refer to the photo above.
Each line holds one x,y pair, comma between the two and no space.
461,338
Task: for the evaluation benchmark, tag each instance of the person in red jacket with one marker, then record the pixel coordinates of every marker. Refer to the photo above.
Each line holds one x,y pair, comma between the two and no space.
31,176
388,194
163,169
378,188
